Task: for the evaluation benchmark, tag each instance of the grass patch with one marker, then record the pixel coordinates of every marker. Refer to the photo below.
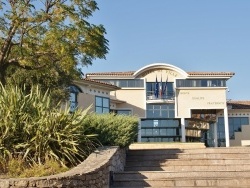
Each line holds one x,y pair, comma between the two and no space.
18,168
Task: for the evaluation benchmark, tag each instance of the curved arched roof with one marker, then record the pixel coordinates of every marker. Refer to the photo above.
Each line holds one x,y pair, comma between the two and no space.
160,66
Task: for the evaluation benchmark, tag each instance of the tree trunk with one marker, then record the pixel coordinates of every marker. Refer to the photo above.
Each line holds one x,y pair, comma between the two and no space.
3,70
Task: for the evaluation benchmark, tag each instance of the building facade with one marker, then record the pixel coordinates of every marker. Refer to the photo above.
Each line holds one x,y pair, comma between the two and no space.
172,105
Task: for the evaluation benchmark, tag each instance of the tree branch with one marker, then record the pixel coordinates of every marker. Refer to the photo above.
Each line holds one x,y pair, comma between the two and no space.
7,44
15,62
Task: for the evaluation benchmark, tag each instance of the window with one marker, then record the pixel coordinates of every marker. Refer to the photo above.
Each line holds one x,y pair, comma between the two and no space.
161,123
74,90
160,111
160,130
165,90
235,124
124,112
200,83
101,105
139,83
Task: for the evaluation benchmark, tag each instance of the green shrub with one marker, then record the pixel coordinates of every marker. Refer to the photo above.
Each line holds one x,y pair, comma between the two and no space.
33,127
119,130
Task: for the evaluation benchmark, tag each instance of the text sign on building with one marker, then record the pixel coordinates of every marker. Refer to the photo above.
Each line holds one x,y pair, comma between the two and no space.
188,99
161,74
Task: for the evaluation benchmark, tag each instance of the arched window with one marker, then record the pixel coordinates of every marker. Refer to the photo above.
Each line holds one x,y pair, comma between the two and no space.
74,90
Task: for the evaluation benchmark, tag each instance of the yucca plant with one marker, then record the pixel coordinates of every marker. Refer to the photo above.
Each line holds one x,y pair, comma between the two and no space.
33,127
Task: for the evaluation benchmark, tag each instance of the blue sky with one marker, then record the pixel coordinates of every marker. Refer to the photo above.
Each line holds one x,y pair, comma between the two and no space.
195,35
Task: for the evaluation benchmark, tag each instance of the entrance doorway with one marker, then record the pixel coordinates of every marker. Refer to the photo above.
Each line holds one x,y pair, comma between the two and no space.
198,126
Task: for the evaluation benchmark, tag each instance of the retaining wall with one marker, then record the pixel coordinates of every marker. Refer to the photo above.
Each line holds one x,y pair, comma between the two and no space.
95,172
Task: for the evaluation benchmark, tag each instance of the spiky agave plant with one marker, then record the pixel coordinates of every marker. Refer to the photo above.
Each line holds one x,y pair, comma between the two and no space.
33,127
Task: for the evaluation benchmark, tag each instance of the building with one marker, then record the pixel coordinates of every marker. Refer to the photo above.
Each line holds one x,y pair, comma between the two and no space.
173,105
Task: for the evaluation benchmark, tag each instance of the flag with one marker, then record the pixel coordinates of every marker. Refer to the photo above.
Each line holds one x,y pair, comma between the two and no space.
161,88
164,92
151,89
156,88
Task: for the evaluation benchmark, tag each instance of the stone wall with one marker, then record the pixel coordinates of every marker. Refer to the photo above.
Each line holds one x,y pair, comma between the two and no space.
95,172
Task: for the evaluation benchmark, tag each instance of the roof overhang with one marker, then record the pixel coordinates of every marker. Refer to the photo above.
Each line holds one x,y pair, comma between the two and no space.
94,83
211,75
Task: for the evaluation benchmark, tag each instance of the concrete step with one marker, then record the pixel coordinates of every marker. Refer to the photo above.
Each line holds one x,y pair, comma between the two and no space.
167,145
189,156
171,162
186,167
187,183
194,167
157,175
189,151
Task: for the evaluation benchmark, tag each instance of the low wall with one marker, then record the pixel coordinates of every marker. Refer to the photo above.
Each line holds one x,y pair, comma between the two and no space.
94,172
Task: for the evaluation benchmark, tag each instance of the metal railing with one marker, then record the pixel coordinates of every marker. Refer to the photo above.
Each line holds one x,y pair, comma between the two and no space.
161,96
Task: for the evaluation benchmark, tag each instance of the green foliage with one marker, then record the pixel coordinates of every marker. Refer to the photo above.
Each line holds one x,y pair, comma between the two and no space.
113,129
45,41
34,129
46,78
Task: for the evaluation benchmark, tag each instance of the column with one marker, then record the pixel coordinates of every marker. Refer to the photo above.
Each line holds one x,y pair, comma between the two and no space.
139,132
226,127
183,130
216,134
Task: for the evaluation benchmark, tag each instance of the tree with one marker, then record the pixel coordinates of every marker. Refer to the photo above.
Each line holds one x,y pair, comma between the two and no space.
48,37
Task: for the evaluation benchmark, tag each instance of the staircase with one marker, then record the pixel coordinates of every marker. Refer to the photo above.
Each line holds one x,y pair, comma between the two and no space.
203,167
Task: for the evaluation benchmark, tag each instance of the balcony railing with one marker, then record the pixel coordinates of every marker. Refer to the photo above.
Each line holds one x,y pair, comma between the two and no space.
161,96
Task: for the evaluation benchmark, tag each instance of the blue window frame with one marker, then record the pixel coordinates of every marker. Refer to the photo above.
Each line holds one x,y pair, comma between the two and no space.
160,111
102,105
200,83
74,90
160,130
165,90
130,83
122,111
235,124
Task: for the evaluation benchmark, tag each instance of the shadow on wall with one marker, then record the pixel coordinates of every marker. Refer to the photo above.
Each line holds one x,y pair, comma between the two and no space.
137,111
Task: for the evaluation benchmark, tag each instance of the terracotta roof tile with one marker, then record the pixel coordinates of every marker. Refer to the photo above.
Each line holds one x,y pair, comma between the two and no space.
210,73
130,73
127,73
239,104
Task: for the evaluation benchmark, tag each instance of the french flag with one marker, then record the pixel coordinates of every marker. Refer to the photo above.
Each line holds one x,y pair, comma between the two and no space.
156,88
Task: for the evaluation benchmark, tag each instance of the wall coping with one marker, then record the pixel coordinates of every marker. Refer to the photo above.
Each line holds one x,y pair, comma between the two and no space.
99,159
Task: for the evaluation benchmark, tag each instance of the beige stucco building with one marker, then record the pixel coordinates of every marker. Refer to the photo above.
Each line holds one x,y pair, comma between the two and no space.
172,105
